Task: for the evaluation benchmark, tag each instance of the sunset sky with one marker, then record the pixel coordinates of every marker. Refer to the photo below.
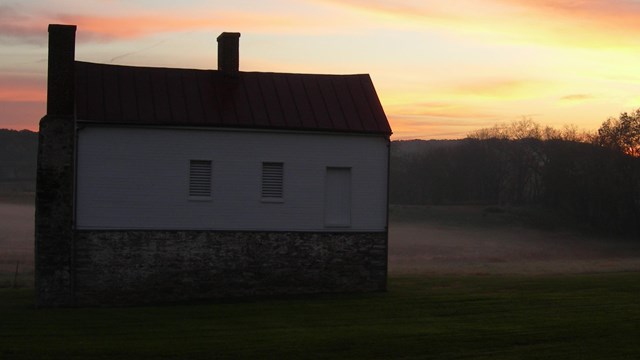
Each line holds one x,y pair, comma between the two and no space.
441,68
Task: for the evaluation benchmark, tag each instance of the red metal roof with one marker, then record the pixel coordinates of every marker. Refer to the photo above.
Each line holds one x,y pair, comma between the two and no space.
116,94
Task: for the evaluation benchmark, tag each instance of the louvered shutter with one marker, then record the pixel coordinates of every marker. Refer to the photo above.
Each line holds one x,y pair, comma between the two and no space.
272,180
200,178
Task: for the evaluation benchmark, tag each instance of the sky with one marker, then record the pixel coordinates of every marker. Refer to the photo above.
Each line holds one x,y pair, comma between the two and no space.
441,68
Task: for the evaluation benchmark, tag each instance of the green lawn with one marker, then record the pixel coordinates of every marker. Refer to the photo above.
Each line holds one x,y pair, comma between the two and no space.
454,317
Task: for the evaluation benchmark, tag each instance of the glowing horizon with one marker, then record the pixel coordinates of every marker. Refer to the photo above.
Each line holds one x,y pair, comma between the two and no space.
441,69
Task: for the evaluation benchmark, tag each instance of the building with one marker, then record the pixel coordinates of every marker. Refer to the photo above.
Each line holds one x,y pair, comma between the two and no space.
159,184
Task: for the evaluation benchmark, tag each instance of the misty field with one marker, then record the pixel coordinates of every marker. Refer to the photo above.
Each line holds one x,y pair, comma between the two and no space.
430,240
16,241
481,240
465,283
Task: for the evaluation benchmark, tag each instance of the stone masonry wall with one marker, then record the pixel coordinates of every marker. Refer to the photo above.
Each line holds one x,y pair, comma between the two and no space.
54,213
136,267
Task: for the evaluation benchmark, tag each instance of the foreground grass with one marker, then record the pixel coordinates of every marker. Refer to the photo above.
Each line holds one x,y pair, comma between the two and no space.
461,317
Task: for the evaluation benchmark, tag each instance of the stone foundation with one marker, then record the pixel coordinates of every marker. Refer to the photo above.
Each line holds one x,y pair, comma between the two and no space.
137,267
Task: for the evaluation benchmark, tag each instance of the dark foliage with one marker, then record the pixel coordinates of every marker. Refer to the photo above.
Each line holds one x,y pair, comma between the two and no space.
621,134
582,182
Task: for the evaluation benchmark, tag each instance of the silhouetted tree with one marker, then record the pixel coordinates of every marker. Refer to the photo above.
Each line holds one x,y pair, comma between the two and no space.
621,134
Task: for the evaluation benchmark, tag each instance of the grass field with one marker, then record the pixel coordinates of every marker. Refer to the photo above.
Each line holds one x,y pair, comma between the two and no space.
586,316
465,284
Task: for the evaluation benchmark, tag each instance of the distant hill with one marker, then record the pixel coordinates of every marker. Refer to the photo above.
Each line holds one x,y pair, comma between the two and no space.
18,158
407,147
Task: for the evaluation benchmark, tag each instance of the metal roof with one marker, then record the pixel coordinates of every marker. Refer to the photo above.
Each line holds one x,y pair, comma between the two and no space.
115,94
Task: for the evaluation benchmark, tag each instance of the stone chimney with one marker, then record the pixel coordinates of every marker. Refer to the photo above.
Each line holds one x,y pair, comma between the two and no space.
61,78
54,223
228,53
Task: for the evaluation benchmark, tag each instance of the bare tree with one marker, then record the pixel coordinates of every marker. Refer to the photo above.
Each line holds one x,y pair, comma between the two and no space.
526,128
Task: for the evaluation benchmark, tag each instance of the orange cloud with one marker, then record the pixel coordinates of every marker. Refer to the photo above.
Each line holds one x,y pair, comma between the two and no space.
436,109
32,26
584,24
433,127
109,27
15,25
438,119
594,10
504,89
589,22
425,13
16,88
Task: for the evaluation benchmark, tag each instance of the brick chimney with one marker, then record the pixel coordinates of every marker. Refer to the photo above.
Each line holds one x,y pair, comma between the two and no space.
228,53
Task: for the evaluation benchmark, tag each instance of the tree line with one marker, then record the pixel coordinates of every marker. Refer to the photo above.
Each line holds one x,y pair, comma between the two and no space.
590,178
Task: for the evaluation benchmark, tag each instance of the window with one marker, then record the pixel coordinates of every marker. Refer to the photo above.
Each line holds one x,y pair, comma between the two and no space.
272,179
200,179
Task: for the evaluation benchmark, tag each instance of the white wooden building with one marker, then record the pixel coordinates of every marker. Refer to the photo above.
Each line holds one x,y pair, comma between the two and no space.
209,179
258,173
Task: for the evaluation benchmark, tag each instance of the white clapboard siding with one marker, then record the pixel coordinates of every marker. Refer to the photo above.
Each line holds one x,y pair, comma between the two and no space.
143,178
337,194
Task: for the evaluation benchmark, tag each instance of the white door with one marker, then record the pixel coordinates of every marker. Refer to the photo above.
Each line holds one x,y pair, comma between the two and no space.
337,195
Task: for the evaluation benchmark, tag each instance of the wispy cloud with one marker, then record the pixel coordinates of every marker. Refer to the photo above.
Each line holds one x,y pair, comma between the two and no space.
17,25
435,127
405,9
505,89
588,23
594,9
576,98
448,110
20,25
583,24
438,119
